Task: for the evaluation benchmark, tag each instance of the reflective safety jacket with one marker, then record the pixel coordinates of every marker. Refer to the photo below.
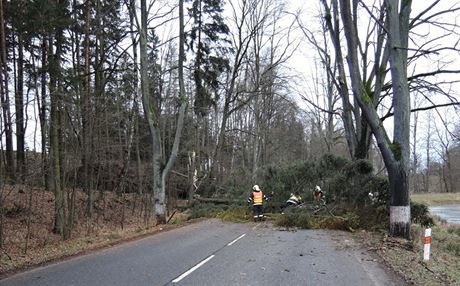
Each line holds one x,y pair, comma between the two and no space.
318,194
296,200
257,198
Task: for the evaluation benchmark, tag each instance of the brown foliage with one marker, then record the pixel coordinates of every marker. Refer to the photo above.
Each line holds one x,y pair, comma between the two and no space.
112,213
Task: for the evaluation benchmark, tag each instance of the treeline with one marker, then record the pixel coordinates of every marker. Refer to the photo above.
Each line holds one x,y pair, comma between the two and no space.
71,79
168,99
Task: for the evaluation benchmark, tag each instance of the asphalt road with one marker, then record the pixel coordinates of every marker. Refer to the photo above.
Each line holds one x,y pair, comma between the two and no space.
216,253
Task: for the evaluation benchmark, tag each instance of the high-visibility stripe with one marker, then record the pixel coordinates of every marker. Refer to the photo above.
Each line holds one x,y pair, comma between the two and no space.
258,197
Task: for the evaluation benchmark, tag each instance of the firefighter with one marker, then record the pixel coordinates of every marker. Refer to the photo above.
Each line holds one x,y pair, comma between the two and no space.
294,200
257,198
318,193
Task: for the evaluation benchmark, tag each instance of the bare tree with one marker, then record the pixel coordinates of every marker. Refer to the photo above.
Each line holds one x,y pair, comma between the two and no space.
152,115
396,155
357,131
444,151
428,146
397,162
415,156
323,96
255,60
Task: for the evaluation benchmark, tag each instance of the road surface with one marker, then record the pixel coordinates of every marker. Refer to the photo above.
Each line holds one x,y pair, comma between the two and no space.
215,253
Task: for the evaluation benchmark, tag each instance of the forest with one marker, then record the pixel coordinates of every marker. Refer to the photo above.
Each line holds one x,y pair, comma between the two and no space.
155,103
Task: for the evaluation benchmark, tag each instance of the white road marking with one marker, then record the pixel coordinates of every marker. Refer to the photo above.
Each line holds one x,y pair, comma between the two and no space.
236,239
192,269
185,274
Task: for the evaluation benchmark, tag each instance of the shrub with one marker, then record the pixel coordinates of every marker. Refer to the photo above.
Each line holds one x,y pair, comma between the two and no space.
374,217
453,247
454,230
354,182
14,211
420,214
300,218
286,179
358,167
235,214
330,164
198,210
301,176
347,221
380,188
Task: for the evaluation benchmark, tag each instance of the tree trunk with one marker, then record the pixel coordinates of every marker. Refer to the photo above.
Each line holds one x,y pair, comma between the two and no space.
56,91
449,172
161,216
19,104
5,101
152,118
396,155
357,130
426,180
42,107
85,114
192,176
333,25
413,177
398,24
54,145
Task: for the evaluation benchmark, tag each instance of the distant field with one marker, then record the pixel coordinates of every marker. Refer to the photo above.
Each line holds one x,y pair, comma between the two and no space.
436,198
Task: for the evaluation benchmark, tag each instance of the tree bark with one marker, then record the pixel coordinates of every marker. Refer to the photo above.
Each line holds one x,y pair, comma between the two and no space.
56,91
333,25
85,114
55,150
398,25
426,180
19,105
180,121
149,112
44,126
5,101
396,154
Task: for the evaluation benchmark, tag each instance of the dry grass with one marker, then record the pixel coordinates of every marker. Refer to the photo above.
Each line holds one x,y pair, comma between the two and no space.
436,198
115,218
406,258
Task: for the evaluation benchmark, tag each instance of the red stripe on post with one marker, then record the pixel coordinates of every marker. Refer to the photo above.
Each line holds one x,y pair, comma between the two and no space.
427,239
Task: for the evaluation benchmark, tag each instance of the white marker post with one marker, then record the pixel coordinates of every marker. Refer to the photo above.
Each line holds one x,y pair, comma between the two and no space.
426,249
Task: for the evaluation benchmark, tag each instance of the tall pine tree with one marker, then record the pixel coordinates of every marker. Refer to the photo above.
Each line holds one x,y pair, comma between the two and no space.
207,38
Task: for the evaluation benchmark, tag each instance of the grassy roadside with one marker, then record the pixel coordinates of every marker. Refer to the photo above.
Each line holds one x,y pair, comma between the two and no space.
28,215
61,249
406,257
436,198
